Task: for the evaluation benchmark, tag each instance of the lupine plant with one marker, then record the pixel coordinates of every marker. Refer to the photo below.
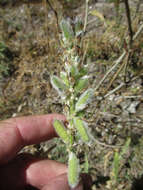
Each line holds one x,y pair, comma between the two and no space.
71,86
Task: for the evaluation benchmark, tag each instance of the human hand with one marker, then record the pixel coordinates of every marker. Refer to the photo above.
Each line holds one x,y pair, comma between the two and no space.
23,171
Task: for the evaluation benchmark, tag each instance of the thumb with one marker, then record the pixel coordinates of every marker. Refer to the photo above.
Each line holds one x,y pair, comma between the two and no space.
60,183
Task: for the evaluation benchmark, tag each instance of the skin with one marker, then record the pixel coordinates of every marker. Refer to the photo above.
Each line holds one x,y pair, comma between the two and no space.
23,171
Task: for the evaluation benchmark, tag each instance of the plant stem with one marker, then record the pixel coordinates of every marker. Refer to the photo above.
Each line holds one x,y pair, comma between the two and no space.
86,16
128,14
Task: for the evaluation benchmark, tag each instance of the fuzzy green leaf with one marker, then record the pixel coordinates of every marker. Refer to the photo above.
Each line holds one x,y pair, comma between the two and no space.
81,127
74,71
81,84
58,84
125,147
84,99
67,30
116,165
73,170
86,164
78,28
62,132
83,71
64,77
118,158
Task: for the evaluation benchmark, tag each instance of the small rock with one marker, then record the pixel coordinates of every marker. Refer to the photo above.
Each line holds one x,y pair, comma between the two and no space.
133,106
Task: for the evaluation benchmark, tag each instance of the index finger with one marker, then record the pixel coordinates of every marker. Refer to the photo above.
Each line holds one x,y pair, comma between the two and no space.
16,133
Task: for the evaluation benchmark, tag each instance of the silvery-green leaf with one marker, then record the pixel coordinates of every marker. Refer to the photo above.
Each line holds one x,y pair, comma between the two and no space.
67,67
81,84
84,99
74,71
67,30
81,127
62,132
78,28
58,84
116,165
86,164
77,60
73,170
83,71
72,106
64,78
125,147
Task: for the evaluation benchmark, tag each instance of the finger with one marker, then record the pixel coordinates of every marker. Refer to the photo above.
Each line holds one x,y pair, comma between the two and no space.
15,133
25,170
60,182
40,172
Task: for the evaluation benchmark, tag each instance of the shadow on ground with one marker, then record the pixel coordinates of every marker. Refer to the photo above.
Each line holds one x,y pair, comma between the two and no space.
138,184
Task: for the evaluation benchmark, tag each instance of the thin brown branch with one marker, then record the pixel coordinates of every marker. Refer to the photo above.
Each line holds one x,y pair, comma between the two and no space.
119,60
114,90
114,77
106,145
54,11
128,14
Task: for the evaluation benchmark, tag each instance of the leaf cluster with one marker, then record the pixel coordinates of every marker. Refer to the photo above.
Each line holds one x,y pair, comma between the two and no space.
72,88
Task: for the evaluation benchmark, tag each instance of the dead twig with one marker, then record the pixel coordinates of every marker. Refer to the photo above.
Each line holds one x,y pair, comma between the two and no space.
138,32
114,90
115,76
128,14
107,145
86,15
119,60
